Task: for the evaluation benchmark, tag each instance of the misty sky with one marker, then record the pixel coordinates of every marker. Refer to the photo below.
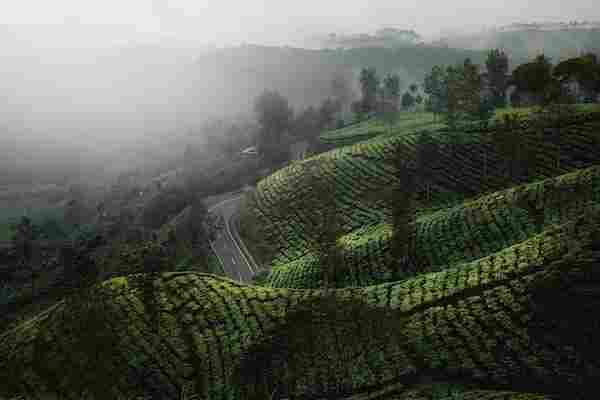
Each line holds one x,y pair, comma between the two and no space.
85,23
83,77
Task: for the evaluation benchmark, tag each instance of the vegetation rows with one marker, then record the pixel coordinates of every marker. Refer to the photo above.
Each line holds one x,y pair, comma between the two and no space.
355,171
498,323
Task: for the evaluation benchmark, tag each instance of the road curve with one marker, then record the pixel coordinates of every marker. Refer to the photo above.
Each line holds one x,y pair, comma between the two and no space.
234,261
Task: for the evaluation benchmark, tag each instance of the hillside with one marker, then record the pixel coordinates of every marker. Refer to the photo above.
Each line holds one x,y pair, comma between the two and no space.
459,177
501,311
481,326
304,76
527,40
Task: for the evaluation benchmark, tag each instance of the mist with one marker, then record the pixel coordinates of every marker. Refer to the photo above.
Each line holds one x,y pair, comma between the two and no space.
98,87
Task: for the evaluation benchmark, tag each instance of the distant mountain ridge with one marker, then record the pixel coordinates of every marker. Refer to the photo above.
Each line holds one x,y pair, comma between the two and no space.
558,40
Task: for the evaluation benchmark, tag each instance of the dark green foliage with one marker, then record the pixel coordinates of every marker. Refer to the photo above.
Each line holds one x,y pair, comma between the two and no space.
485,110
407,100
327,112
536,78
509,143
463,87
552,120
585,70
164,206
277,363
369,82
25,234
307,124
7,294
436,88
497,70
274,115
326,224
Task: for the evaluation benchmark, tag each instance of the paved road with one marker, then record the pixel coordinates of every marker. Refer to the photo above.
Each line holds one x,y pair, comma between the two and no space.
234,262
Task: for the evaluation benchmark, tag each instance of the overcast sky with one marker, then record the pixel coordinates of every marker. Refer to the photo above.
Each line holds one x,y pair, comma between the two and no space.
77,23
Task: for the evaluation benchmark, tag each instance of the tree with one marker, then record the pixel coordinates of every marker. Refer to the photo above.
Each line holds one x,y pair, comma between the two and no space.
585,70
553,120
485,110
497,69
398,197
536,78
325,225
427,159
435,86
25,234
391,86
327,112
369,82
407,100
274,116
511,146
419,99
535,209
307,124
464,88
341,89
391,93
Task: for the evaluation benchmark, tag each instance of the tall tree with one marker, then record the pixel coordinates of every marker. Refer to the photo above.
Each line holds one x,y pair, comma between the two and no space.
399,198
307,124
25,234
274,116
497,69
407,100
427,159
553,120
510,144
391,93
325,226
436,88
464,92
341,89
327,111
369,82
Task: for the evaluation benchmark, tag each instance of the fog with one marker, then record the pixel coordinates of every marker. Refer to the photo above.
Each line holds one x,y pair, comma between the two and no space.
107,84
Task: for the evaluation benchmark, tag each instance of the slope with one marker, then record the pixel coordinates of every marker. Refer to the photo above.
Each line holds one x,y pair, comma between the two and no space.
492,325
358,170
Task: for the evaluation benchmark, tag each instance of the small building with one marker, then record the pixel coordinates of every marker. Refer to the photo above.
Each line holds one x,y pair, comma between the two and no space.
249,151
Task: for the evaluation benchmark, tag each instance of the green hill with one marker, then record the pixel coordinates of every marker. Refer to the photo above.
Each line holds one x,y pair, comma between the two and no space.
450,236
520,321
460,176
408,122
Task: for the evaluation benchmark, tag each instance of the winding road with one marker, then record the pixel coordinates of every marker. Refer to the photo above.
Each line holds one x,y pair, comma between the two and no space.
227,244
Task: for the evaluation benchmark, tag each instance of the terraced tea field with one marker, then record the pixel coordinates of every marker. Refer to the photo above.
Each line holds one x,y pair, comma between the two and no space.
408,122
504,306
358,170
458,234
518,324
412,122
